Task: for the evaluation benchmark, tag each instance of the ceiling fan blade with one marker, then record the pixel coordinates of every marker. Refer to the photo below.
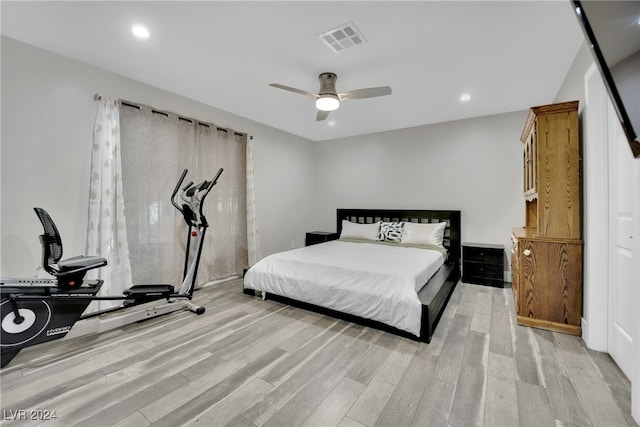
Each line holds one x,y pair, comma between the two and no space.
321,115
369,92
293,89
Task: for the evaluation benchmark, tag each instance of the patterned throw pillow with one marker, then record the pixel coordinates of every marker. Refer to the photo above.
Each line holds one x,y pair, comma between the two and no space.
391,231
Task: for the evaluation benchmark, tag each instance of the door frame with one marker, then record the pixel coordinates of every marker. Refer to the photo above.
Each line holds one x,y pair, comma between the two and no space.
597,238
595,213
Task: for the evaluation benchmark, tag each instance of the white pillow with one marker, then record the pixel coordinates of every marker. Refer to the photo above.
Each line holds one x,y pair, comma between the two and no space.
424,234
352,230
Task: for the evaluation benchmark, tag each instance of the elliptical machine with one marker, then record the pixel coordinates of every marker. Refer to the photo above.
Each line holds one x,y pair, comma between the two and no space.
33,311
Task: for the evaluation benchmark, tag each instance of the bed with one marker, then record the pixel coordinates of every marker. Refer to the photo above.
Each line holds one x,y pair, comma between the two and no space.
391,282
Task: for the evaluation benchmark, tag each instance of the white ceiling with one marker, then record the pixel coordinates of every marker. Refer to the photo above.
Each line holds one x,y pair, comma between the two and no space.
508,55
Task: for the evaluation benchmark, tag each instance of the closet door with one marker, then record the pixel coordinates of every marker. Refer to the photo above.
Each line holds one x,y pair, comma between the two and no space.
623,215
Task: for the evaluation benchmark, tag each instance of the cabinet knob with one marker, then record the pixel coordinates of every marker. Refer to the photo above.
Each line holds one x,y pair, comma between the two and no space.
526,252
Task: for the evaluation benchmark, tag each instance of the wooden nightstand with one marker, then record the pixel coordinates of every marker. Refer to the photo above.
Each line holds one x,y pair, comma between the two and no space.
483,264
315,237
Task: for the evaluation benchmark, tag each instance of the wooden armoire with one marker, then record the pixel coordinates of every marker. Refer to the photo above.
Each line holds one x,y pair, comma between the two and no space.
546,254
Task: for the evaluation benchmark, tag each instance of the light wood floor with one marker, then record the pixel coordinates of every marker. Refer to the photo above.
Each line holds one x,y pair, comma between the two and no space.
248,362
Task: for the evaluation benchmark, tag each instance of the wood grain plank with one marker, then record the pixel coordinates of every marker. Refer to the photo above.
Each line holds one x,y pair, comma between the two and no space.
527,360
313,329
233,405
534,409
296,360
233,344
240,421
211,396
593,392
305,401
367,408
363,337
143,396
404,402
616,381
501,402
136,419
80,403
261,346
181,396
449,313
563,396
29,392
481,319
501,339
349,422
313,368
334,407
467,304
450,360
468,401
375,396
435,405
373,358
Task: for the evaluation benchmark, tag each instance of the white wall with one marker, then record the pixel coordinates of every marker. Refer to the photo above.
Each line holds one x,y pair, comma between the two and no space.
572,88
48,112
47,118
473,165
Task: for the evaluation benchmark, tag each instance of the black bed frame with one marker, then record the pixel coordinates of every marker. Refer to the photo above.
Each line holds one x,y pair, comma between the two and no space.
436,292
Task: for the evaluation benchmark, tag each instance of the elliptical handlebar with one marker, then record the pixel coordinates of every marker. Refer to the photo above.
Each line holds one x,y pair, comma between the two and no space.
175,190
193,196
210,185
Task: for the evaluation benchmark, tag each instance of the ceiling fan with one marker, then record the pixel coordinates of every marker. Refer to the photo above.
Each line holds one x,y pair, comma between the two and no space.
327,99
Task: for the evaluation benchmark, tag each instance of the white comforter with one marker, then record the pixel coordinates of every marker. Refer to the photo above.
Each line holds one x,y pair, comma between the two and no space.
373,281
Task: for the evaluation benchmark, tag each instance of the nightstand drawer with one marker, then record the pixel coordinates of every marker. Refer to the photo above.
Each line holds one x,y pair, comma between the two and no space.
486,255
484,270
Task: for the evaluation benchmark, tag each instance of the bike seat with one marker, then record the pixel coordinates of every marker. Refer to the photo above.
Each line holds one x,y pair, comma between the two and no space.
70,272
80,263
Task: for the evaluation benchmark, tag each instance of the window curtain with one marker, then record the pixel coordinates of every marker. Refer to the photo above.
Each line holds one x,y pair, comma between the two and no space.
253,240
225,247
156,147
107,231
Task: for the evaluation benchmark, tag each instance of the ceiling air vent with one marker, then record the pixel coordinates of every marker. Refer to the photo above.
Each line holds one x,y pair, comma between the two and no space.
343,37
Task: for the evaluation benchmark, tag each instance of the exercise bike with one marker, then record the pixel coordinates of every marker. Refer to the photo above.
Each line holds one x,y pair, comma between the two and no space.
33,311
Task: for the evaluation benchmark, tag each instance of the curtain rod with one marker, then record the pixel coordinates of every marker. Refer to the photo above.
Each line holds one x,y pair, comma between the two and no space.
98,97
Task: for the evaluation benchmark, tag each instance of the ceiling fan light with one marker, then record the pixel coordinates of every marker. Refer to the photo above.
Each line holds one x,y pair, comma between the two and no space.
327,103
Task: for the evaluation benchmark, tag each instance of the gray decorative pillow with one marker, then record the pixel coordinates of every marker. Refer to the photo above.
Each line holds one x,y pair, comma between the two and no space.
391,231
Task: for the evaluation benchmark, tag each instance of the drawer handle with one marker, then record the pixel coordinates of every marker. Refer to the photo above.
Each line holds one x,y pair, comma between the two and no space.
526,252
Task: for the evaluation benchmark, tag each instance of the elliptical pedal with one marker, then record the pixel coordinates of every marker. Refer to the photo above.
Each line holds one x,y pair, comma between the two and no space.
149,292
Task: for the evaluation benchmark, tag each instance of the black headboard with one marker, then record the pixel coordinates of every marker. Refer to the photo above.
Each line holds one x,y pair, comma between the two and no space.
452,234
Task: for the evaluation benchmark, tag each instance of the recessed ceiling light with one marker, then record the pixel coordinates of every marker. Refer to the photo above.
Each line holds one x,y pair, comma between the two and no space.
140,31
465,97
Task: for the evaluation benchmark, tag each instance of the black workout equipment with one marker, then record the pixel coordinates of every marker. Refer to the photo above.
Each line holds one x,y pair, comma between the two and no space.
34,311
70,271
